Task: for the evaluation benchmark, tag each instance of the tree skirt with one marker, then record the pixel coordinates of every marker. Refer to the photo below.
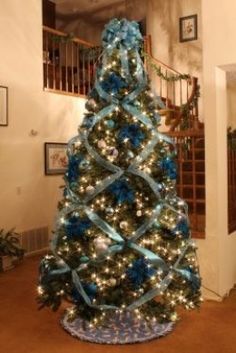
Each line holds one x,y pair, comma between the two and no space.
121,329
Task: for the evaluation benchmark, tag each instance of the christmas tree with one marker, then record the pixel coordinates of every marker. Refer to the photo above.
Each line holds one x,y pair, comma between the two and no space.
122,239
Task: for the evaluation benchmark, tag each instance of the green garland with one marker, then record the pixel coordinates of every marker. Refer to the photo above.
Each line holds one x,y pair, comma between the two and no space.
187,107
63,39
157,69
231,137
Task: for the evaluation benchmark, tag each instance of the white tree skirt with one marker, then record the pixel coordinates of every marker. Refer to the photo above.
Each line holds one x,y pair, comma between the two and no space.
121,329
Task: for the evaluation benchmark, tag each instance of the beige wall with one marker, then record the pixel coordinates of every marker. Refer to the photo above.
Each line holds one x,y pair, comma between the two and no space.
219,28
28,198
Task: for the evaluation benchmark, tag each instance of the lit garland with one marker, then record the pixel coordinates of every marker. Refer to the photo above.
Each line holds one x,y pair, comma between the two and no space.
122,236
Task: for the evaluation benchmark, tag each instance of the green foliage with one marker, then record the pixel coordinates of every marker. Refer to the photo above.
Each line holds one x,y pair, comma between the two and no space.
231,136
164,76
9,244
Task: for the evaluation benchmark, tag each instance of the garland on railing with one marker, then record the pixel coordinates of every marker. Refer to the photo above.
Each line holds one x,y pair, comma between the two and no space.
157,69
231,137
186,109
63,39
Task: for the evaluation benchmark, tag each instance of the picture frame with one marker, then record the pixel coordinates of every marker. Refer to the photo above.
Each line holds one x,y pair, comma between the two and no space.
55,158
188,29
3,106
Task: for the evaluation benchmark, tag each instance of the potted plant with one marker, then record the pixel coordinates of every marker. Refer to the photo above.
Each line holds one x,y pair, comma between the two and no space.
10,249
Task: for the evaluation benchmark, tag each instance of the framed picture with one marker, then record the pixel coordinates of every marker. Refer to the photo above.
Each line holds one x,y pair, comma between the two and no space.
188,28
55,158
3,106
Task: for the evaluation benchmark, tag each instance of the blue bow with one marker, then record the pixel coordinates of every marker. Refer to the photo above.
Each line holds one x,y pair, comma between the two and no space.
139,272
72,173
122,32
122,191
133,133
113,83
89,288
169,167
76,227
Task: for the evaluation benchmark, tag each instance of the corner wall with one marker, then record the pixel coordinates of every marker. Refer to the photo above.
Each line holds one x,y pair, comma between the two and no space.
219,28
28,198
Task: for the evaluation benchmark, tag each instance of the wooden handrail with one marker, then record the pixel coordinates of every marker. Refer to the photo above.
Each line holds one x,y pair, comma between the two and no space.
63,34
187,133
148,42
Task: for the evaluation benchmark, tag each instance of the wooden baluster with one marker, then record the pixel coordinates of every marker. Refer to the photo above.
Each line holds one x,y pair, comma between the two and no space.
47,60
194,183
83,70
167,89
53,64
181,92
78,68
89,67
160,84
187,90
66,66
94,54
180,142
72,68
174,87
60,64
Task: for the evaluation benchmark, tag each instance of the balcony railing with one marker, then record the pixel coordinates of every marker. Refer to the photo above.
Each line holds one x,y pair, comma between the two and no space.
68,63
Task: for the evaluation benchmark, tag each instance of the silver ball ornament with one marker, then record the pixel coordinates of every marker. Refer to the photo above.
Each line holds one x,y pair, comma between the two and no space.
90,189
101,244
112,282
110,211
123,225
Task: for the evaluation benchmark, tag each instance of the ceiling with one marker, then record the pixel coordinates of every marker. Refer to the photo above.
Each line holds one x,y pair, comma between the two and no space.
70,7
96,11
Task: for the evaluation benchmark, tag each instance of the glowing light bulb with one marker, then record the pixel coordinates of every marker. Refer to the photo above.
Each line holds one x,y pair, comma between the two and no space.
40,290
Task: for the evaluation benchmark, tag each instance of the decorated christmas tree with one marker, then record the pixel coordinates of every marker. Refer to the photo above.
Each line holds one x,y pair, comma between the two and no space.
122,246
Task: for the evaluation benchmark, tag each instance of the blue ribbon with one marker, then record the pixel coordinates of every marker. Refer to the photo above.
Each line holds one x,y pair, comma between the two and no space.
121,241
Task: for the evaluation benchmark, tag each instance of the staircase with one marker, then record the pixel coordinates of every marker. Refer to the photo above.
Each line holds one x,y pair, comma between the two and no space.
69,68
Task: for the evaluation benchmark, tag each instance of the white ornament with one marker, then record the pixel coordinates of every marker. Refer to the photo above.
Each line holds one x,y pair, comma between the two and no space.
102,144
139,213
123,225
147,170
101,244
90,188
83,266
112,282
